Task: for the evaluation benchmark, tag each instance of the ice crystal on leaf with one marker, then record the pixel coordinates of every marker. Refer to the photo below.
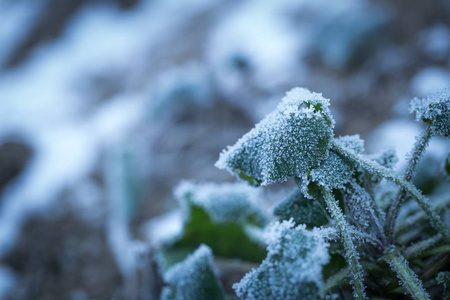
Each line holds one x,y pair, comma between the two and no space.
302,210
288,142
434,110
335,171
224,203
292,268
193,278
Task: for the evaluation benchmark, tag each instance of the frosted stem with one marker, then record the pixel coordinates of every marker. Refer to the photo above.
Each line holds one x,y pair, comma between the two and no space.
416,153
375,168
408,279
351,254
420,247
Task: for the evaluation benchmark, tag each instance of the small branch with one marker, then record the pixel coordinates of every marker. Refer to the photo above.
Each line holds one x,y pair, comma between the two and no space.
416,153
351,254
376,168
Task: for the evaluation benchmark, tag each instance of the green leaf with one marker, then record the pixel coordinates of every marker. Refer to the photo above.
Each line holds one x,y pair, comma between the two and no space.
293,267
193,278
287,143
434,110
302,210
219,216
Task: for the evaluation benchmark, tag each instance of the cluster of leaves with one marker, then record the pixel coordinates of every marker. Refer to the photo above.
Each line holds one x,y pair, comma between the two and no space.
353,227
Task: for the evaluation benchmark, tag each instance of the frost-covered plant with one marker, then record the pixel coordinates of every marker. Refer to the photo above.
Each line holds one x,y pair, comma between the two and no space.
353,227
193,278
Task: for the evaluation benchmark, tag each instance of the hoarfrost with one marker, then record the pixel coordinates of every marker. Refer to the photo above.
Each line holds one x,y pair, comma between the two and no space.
434,110
193,278
224,203
292,268
287,143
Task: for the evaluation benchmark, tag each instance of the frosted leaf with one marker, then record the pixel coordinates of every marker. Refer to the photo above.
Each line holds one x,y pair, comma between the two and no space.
224,203
301,210
357,201
288,142
193,278
292,268
218,215
363,208
434,110
334,171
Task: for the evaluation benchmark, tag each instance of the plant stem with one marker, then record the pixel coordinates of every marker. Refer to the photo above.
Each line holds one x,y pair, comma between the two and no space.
416,153
409,280
351,254
417,249
375,168
339,278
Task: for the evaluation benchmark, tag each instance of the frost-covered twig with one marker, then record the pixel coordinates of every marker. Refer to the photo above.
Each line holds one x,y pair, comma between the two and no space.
416,153
351,254
376,168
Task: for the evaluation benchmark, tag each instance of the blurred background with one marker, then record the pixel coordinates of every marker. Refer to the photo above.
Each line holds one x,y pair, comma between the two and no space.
105,105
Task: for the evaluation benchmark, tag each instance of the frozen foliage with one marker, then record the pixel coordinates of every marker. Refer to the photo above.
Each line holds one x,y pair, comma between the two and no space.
293,267
224,203
357,200
335,171
362,207
222,216
287,143
193,278
434,110
302,210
